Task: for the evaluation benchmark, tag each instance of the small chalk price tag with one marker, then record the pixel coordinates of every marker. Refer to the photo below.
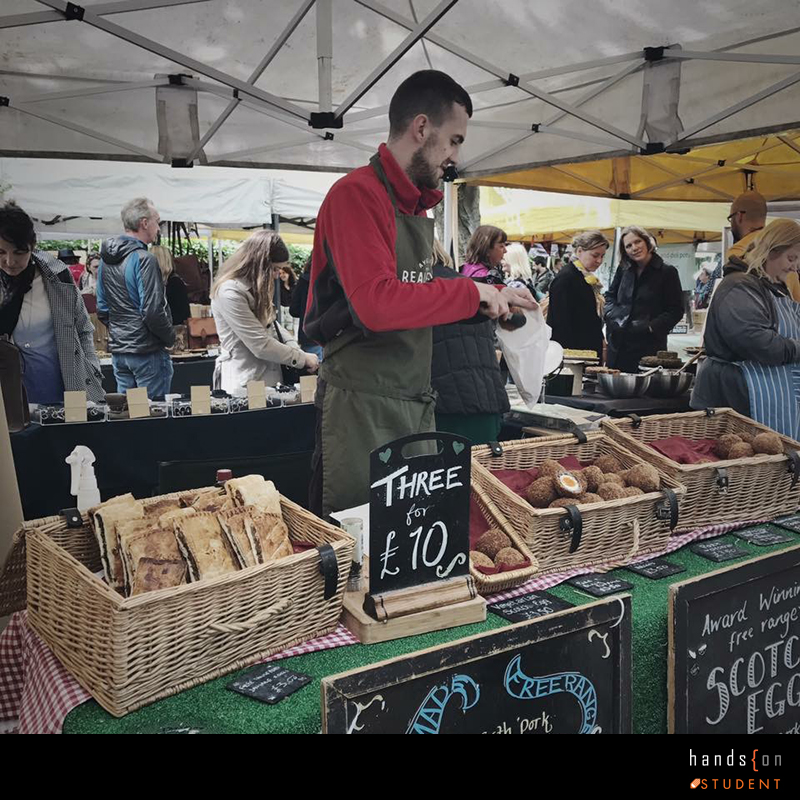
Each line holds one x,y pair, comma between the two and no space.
529,606
269,683
717,550
599,585
763,537
201,400
138,404
655,569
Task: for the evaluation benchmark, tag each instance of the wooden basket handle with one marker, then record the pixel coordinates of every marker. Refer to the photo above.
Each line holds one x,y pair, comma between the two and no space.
253,622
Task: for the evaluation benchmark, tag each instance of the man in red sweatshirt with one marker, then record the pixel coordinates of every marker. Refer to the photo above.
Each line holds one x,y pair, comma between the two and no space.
373,300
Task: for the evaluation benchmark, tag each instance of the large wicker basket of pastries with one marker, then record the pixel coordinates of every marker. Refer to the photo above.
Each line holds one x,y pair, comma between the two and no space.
733,468
194,585
579,503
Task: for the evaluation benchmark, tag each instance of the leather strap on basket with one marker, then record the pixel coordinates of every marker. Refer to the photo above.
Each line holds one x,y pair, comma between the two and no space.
578,434
794,466
636,420
710,412
329,569
572,523
722,480
72,517
667,509
496,448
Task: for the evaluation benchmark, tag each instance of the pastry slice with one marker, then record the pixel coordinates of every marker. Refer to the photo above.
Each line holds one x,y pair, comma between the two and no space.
153,542
157,573
209,502
126,531
204,546
122,498
241,542
156,507
270,535
165,520
253,490
188,498
105,523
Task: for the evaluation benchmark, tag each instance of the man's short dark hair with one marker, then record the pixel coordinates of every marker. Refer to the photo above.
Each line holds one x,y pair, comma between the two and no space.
428,92
16,226
540,261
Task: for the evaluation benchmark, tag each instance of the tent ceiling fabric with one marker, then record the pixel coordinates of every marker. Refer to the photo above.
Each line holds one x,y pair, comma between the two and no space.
714,173
57,76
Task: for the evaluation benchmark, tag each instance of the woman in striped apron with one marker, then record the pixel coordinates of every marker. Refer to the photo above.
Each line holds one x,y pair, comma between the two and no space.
752,336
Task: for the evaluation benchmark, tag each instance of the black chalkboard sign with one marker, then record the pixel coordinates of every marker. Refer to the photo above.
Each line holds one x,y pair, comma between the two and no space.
763,537
734,648
599,585
269,683
419,511
568,673
656,568
791,523
529,606
718,550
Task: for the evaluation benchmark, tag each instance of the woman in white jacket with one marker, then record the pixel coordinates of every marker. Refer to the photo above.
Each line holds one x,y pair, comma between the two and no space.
242,305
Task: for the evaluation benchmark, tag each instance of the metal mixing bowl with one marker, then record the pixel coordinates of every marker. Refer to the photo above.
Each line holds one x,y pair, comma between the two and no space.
623,385
669,383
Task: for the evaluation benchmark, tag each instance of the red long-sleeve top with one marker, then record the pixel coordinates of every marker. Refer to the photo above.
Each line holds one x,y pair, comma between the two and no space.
354,270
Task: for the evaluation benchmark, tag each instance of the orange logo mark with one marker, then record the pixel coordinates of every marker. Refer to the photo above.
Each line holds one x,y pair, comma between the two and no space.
695,783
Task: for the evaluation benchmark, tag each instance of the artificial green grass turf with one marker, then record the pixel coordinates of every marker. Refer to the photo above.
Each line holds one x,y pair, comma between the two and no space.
213,709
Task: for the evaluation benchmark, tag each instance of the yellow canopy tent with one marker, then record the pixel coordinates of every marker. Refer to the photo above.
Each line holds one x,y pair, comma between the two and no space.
712,173
288,236
552,217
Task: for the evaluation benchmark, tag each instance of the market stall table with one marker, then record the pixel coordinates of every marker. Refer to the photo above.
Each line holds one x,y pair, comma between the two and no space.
617,407
128,452
212,708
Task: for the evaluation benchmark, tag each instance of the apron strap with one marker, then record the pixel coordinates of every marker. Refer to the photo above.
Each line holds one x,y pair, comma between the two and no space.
375,163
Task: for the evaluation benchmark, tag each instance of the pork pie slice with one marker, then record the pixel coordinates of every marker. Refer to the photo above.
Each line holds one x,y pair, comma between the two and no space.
204,546
122,498
253,490
157,506
271,536
233,525
105,523
155,542
188,498
158,573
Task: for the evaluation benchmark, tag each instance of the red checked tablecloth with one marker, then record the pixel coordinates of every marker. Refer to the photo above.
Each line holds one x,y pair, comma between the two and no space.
37,693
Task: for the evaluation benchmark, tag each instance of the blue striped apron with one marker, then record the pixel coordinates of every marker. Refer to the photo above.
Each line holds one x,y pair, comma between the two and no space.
775,391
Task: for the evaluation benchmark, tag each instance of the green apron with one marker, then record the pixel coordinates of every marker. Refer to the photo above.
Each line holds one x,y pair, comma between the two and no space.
377,386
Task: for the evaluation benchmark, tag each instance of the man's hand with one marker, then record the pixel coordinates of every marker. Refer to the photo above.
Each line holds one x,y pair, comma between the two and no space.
519,297
493,303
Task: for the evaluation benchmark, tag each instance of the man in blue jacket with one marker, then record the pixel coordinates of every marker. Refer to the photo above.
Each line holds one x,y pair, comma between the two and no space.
131,301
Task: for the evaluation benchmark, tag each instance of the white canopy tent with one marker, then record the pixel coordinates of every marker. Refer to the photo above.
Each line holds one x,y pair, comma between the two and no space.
81,199
270,84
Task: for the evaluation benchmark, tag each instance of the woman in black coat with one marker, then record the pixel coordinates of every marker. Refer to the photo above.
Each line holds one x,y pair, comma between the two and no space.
575,308
644,303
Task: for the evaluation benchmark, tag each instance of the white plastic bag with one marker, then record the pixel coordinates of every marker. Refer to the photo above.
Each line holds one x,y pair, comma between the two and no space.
524,350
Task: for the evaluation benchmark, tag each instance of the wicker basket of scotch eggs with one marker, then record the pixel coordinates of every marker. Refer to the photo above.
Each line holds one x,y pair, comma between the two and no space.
734,469
579,503
194,585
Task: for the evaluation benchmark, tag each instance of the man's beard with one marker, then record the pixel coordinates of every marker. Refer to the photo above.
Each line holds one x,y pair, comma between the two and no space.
421,172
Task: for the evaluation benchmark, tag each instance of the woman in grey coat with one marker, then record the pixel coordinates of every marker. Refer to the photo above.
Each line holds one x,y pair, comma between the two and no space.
752,336
42,312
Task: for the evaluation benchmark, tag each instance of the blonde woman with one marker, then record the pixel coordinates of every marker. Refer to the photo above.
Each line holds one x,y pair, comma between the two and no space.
575,310
752,335
174,287
518,268
253,346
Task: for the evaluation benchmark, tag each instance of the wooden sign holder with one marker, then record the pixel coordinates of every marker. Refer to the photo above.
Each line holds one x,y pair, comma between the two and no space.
409,612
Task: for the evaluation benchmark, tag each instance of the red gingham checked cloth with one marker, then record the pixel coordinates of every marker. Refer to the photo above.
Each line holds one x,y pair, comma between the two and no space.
36,690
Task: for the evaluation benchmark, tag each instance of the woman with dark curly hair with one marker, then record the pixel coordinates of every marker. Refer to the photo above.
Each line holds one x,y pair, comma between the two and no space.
43,314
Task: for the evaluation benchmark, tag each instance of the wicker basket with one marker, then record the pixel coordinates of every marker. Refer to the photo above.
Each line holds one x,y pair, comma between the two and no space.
128,652
491,584
612,532
78,542
759,487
